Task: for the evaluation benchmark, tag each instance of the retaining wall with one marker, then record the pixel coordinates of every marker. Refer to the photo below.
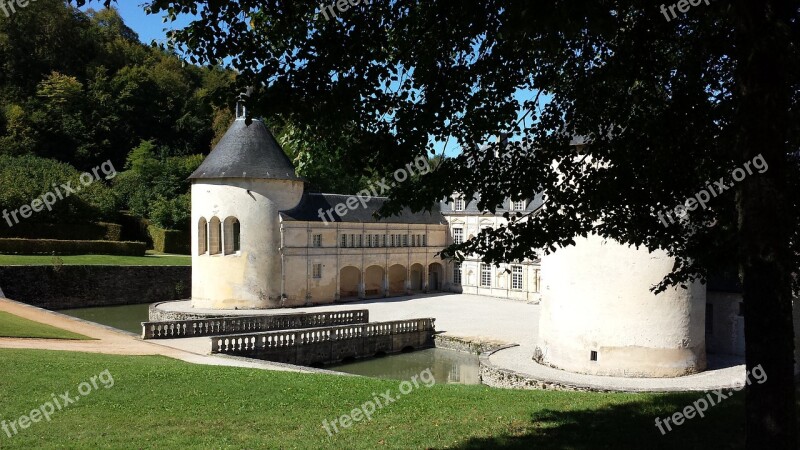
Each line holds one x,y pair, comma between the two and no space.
63,287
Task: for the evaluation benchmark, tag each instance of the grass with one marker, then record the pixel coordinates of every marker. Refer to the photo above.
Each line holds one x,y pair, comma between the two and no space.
157,402
17,327
150,259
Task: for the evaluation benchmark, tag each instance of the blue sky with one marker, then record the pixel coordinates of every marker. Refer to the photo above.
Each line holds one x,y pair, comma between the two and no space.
149,27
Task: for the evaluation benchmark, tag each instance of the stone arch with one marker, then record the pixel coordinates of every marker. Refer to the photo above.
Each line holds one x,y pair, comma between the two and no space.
417,277
397,279
202,236
373,281
349,282
435,276
232,229
214,236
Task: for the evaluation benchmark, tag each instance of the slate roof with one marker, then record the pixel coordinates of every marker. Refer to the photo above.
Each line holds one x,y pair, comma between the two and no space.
471,208
247,151
308,211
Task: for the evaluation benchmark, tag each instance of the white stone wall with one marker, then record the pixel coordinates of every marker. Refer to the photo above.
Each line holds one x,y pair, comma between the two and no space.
250,278
299,257
596,297
500,284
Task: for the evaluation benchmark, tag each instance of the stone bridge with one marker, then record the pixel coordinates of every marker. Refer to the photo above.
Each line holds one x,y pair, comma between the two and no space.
326,345
217,326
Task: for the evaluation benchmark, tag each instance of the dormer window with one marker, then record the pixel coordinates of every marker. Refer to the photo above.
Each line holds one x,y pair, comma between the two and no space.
458,204
518,205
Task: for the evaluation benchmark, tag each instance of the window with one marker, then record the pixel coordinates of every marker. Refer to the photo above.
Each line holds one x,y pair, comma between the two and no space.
413,240
486,275
317,272
352,240
424,240
458,235
592,355
344,240
215,236
384,240
457,273
518,205
202,236
393,240
317,240
516,277
405,240
360,240
458,204
537,280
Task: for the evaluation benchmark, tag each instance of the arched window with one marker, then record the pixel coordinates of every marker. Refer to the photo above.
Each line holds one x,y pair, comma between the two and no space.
202,236
215,235
232,236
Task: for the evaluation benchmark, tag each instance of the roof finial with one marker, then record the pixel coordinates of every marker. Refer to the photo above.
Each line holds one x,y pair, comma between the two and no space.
241,109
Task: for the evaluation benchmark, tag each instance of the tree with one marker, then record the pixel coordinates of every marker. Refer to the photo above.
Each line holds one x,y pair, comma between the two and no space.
668,101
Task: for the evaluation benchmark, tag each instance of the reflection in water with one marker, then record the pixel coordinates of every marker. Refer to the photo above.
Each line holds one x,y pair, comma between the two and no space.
448,366
126,317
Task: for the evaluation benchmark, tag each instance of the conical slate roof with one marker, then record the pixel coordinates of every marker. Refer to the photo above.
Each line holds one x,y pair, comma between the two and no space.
247,151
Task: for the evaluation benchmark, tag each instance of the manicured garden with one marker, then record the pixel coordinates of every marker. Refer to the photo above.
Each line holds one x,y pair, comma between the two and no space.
149,259
17,327
157,402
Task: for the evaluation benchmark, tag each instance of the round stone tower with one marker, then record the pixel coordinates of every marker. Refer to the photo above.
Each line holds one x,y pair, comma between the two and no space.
236,195
599,316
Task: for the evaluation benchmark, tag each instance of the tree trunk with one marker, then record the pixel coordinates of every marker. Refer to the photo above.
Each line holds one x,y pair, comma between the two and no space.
763,77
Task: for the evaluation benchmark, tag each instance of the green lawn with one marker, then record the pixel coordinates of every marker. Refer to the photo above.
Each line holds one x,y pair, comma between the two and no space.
97,260
162,403
13,326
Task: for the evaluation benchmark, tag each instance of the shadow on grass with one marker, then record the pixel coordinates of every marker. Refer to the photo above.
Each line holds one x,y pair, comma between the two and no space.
628,425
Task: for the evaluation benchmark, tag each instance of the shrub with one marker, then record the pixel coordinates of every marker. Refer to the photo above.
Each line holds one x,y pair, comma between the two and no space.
15,246
25,178
82,232
170,241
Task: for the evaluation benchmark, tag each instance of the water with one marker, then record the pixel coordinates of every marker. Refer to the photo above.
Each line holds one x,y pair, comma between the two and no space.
126,317
447,366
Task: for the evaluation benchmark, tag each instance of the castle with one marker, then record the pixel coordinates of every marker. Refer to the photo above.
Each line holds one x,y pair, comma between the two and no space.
259,241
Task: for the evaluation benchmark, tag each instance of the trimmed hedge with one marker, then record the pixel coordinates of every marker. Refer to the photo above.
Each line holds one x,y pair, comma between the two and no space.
64,232
170,241
50,246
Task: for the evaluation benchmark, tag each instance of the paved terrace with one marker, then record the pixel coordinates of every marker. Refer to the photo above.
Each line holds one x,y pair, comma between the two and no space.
479,318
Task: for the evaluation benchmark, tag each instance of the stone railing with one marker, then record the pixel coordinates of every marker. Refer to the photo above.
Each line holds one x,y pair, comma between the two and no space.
250,324
285,340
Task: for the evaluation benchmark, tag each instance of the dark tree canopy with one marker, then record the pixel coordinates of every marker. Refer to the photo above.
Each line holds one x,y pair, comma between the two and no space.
665,106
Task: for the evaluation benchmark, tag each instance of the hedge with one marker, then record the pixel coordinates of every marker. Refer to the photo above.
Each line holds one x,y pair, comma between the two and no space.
50,247
170,241
64,232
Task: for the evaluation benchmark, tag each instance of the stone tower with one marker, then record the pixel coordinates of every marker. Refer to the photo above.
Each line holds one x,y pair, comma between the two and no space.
236,195
599,316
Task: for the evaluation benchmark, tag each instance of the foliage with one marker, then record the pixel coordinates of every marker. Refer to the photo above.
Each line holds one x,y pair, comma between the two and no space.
156,186
15,246
25,178
90,91
170,241
663,107
99,231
